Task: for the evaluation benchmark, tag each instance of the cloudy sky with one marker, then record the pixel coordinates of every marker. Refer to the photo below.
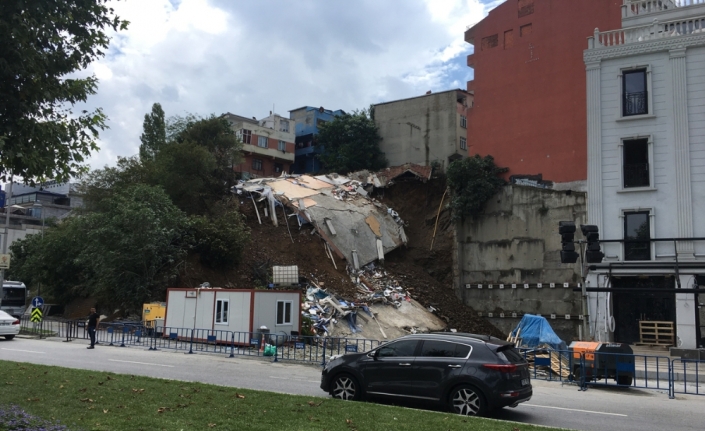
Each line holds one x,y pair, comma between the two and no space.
250,57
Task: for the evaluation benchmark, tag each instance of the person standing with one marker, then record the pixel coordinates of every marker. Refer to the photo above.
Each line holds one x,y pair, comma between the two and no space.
93,321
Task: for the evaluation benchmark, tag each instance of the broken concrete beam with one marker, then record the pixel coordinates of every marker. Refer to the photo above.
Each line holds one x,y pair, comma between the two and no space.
329,223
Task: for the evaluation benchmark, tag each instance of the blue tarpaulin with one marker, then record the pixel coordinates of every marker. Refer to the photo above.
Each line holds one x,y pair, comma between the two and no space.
536,331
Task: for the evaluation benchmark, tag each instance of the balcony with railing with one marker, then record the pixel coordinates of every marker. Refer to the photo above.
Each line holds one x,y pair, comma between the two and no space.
656,30
643,8
635,104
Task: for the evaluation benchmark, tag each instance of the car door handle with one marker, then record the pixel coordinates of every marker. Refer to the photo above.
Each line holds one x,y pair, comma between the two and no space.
404,364
454,366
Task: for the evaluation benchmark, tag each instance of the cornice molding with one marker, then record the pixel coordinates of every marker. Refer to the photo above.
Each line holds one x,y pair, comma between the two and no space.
630,49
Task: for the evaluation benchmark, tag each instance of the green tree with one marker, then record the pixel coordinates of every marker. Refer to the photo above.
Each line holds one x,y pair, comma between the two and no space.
136,247
195,168
153,133
220,239
473,181
123,255
44,44
52,261
351,143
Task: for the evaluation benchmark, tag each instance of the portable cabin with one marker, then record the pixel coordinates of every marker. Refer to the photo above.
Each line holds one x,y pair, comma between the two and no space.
225,314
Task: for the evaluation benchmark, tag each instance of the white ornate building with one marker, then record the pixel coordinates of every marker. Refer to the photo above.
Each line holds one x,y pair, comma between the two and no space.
646,169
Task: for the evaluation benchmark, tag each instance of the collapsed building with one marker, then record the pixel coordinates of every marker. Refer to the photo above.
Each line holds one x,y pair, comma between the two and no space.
356,228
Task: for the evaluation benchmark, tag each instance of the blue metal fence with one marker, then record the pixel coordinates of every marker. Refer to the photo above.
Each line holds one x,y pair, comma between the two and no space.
585,369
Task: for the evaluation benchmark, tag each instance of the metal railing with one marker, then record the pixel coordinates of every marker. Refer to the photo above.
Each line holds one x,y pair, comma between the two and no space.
584,369
654,31
587,369
635,103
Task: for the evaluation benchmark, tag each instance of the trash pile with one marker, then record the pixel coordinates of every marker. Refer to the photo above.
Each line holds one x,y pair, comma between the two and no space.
374,287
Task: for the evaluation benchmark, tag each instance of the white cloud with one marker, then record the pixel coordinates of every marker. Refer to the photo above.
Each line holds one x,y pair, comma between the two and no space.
246,56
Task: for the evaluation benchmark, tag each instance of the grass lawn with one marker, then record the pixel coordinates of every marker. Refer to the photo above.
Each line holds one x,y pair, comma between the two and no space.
89,400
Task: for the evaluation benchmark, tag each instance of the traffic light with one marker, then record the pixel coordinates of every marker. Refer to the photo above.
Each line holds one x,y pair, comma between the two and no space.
567,231
593,254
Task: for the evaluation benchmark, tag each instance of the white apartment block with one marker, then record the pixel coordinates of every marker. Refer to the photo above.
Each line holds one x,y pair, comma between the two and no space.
646,170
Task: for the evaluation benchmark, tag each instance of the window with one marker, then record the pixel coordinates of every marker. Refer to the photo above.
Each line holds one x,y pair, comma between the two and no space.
256,164
526,7
262,141
635,100
284,126
508,39
398,349
463,144
525,30
282,146
278,167
463,121
444,349
637,227
245,136
489,42
221,311
320,122
284,312
635,161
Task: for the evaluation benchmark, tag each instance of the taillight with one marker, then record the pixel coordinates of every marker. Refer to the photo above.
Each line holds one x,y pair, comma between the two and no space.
16,322
504,368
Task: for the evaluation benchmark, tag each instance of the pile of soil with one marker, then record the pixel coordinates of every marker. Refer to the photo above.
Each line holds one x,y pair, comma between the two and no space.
424,271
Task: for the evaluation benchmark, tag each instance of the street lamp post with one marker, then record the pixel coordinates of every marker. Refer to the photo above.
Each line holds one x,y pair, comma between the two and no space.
38,206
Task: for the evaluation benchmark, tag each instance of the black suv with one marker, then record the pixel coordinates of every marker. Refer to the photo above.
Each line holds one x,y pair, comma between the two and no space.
471,374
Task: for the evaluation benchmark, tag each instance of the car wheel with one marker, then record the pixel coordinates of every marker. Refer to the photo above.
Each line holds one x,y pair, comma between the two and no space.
9,337
345,387
467,400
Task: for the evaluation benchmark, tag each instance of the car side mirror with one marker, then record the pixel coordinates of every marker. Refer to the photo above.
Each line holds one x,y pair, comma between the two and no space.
374,355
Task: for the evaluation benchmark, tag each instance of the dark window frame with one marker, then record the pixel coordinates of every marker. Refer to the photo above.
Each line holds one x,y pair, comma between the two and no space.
284,312
636,163
635,94
257,165
246,136
637,251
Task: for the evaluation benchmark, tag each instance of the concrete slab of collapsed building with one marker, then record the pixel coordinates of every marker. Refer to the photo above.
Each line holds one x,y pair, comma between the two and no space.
387,176
358,222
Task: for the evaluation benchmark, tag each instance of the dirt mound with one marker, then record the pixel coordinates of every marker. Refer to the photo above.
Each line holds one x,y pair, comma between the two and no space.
425,273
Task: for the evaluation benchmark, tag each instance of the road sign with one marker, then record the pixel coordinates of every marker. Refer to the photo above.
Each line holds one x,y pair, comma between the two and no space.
4,261
37,302
36,315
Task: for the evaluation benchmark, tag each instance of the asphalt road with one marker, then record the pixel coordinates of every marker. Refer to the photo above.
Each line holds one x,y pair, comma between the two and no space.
552,404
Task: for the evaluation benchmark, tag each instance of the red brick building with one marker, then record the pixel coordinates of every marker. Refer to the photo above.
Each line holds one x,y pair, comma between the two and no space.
529,88
267,145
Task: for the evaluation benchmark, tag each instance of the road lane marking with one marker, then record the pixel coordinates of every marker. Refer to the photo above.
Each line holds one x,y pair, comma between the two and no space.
141,363
575,410
289,378
27,351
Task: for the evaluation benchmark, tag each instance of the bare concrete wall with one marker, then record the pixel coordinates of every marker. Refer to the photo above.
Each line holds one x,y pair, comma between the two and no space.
516,241
424,129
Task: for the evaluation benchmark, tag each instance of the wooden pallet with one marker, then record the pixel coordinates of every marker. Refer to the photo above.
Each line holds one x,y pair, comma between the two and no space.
654,333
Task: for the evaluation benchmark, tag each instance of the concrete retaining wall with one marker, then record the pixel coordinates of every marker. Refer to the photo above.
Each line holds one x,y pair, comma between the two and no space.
516,241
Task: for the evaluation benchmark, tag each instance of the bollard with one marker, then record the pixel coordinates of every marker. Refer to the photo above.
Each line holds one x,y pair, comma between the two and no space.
190,349
124,329
325,341
111,331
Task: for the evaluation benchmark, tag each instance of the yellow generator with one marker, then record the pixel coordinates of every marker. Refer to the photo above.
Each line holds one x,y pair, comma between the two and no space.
153,311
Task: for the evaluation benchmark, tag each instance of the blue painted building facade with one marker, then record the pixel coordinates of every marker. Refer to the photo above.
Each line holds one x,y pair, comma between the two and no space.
308,121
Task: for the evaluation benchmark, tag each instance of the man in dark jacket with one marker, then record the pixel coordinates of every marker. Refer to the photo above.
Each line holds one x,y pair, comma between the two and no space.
93,321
